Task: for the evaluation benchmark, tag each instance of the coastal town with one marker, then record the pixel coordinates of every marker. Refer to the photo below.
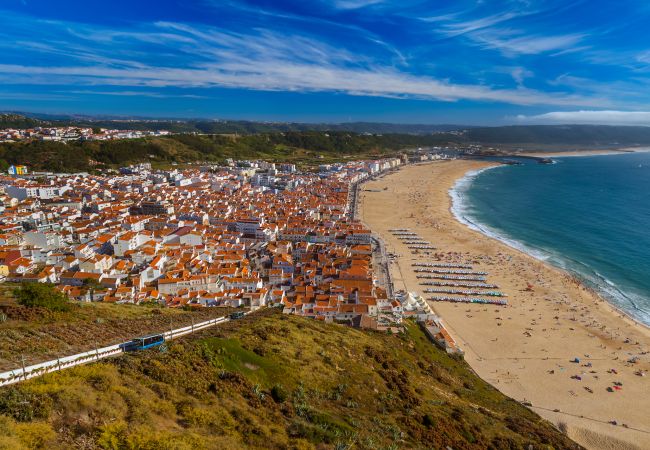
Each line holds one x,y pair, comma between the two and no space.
350,243
330,225
73,133
244,234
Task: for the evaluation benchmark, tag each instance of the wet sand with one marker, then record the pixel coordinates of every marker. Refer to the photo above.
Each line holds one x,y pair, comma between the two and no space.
524,349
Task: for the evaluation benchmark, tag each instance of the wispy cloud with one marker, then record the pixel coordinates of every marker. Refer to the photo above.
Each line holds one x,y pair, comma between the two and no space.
589,118
134,94
31,96
259,59
453,25
519,74
503,31
504,51
355,4
280,76
510,43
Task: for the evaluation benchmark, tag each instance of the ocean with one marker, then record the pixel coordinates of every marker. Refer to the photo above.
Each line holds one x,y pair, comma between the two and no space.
589,215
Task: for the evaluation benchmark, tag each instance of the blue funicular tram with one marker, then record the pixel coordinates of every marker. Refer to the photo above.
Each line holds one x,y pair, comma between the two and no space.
142,343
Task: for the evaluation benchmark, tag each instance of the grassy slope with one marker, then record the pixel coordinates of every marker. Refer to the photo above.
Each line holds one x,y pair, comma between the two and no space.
39,334
304,148
273,381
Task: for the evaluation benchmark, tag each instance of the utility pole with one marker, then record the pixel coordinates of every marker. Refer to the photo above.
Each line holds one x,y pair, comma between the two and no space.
22,357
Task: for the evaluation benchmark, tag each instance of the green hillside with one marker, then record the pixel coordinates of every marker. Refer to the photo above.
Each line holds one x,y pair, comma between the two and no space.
18,121
300,147
273,381
303,144
38,334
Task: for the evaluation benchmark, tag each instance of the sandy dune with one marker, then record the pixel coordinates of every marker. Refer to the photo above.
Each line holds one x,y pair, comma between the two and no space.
526,348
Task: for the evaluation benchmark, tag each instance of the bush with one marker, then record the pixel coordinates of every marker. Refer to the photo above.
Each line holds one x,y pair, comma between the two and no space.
23,406
41,295
112,436
36,435
278,394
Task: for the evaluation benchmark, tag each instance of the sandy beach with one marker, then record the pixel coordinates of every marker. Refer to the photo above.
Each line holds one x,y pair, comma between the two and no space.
524,349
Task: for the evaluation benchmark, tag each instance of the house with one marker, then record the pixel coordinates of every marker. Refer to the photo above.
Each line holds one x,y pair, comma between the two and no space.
96,264
130,240
17,170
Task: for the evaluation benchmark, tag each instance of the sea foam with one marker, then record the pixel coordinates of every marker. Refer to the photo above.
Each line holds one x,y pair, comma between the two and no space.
628,303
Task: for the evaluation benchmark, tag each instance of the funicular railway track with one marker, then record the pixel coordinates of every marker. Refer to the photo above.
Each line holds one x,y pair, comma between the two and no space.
140,343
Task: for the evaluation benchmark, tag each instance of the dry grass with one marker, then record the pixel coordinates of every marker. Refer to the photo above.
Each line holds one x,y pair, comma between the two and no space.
39,334
274,381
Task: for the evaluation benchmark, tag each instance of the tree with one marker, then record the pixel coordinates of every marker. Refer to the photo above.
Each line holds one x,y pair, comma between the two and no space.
41,295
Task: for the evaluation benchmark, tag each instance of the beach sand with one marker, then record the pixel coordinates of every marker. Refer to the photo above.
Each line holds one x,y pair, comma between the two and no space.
524,349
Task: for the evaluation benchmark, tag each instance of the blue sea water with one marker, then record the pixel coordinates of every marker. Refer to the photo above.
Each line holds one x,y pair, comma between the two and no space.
588,215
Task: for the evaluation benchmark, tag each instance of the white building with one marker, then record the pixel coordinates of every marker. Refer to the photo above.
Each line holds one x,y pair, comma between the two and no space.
41,192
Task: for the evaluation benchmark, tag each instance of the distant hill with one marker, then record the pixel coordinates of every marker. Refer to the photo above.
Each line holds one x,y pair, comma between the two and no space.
587,135
306,144
231,126
273,381
300,147
18,121
249,127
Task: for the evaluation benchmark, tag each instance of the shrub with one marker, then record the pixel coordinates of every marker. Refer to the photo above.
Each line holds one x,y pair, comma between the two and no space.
36,435
23,406
278,394
41,295
112,436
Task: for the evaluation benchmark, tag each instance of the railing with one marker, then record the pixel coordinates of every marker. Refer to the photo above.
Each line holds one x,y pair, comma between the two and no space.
36,370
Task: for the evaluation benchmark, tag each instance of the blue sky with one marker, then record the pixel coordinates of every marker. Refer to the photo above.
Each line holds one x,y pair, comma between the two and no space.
435,61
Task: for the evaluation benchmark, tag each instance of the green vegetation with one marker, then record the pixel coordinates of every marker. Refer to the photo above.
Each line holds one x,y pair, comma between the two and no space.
302,144
273,381
18,121
39,333
298,147
220,126
40,295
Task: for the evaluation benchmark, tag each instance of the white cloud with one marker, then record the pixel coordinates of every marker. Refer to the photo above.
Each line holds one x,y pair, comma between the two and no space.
519,74
644,57
257,59
496,31
590,118
285,76
133,94
505,41
451,26
355,4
